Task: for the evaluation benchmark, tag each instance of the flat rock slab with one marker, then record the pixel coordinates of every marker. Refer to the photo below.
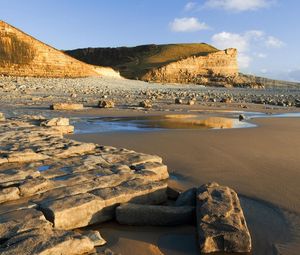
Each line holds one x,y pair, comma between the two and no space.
154,215
47,242
50,185
74,211
66,106
220,220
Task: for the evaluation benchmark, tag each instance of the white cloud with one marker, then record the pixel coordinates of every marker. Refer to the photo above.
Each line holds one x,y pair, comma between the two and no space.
238,5
273,42
190,6
225,40
245,43
187,25
261,55
239,41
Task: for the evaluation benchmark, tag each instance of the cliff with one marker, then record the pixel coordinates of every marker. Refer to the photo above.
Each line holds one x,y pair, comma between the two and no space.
197,69
23,55
171,63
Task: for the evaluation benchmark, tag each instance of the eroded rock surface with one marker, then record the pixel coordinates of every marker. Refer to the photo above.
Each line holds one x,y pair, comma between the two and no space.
220,220
50,185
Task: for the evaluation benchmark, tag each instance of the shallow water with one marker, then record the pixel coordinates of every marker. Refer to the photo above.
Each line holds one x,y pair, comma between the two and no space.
155,123
44,168
270,226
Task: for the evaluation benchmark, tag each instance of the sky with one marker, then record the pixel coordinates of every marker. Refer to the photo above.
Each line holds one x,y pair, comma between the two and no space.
265,32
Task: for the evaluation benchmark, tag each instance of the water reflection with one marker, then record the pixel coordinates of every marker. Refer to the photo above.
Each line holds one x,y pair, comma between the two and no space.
155,123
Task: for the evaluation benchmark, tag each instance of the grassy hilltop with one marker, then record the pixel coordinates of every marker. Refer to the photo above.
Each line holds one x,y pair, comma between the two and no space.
135,61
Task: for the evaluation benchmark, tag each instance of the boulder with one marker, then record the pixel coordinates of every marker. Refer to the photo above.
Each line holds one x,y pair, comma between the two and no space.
154,215
242,117
66,106
145,104
191,102
221,224
56,122
62,125
187,198
106,104
178,101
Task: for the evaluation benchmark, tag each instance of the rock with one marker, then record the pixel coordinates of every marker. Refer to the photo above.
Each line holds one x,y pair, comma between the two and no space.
2,116
56,122
95,237
66,106
60,124
48,242
187,198
106,104
145,104
154,215
3,160
50,181
22,220
227,100
191,102
34,186
221,224
178,101
242,117
76,150
74,211
64,129
26,156
135,191
9,194
11,176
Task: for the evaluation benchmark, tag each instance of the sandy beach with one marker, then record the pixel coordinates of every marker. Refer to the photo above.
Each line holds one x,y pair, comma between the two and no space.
261,164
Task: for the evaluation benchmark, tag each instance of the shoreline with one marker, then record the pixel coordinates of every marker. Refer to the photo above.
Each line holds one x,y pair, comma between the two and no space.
277,209
259,163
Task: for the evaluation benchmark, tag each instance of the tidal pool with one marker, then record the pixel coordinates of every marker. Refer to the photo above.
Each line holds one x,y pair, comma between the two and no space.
155,123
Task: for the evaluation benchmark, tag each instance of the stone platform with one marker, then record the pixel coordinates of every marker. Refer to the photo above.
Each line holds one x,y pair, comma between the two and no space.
51,185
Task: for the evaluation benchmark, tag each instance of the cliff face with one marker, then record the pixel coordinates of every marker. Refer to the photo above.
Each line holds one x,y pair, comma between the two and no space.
212,68
171,63
22,55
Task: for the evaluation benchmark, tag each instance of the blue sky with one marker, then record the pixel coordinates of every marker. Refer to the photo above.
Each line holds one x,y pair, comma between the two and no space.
266,32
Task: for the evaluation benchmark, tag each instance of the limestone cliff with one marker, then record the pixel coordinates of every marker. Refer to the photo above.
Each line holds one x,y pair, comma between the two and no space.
23,55
209,69
197,63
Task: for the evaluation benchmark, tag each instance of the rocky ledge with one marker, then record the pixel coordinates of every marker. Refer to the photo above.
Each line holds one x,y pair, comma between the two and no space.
50,185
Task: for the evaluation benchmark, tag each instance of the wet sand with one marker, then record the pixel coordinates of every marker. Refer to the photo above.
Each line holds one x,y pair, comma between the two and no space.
261,164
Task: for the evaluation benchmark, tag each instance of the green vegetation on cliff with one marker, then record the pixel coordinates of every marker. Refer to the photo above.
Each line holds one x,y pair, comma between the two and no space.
133,62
